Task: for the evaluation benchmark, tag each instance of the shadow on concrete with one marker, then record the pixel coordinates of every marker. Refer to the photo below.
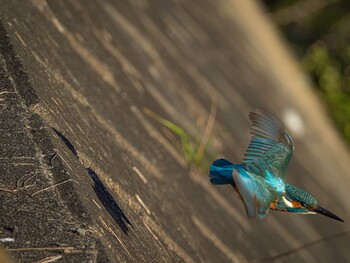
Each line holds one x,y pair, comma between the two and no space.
66,142
101,191
109,203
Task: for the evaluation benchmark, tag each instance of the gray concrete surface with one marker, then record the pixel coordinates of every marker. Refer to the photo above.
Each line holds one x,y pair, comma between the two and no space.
86,176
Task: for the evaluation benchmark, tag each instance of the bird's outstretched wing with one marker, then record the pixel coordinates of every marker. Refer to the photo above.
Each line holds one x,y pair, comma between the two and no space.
270,148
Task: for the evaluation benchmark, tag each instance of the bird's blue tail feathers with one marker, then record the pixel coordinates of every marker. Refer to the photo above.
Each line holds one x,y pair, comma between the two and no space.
221,172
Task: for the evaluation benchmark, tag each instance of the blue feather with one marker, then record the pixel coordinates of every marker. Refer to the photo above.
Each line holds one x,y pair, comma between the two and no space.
222,162
221,172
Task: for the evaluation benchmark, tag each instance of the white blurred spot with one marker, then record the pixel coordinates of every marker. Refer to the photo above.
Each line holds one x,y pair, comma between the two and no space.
7,239
294,122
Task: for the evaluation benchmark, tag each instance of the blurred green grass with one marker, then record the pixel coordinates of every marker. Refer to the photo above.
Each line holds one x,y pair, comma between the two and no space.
319,33
194,149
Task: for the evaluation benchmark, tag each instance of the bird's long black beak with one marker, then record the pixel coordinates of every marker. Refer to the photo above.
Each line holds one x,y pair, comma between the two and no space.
325,212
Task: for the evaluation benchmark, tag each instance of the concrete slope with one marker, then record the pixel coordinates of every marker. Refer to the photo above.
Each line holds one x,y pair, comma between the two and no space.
87,176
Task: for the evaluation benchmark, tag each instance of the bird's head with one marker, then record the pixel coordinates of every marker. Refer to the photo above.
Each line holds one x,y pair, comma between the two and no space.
297,200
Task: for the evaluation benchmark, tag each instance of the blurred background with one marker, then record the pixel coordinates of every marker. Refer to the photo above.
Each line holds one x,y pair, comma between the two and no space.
318,32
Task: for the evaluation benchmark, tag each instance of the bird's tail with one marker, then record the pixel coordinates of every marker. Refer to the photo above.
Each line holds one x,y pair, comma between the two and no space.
221,172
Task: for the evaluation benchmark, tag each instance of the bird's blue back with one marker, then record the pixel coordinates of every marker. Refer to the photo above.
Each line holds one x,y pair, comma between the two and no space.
257,192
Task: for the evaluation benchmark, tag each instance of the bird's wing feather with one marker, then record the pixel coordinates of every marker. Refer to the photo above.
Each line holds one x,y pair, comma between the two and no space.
255,196
270,148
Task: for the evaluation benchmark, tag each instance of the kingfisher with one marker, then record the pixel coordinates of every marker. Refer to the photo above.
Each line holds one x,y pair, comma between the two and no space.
260,179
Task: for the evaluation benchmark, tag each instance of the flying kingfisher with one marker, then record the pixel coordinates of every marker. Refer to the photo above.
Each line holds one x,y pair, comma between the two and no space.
260,179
